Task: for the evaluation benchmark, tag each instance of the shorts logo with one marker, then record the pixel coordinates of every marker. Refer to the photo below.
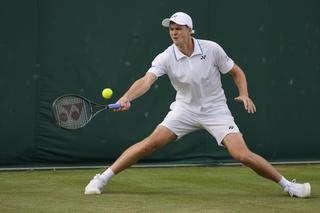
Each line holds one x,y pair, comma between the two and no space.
230,127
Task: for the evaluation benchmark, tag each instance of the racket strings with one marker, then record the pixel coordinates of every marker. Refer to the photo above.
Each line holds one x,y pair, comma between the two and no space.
72,112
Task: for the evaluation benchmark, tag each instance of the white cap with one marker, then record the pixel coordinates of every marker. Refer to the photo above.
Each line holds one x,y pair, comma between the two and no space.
178,18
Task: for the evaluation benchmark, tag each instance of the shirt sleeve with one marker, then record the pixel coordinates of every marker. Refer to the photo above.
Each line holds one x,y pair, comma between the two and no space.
223,61
158,65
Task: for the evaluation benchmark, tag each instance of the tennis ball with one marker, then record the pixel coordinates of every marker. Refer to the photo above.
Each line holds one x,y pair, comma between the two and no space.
107,93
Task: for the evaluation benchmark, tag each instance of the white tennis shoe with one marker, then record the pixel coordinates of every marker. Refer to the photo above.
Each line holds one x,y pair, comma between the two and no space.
95,186
298,190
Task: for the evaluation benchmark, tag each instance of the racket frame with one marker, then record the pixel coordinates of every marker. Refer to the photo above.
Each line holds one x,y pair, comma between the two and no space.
92,114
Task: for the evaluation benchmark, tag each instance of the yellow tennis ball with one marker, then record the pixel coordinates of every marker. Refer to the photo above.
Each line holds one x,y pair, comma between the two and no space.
107,93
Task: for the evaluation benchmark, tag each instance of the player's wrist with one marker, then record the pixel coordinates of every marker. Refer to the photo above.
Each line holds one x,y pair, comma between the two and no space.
243,95
126,98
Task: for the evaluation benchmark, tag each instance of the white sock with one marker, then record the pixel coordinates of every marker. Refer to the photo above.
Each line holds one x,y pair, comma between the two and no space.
284,182
106,175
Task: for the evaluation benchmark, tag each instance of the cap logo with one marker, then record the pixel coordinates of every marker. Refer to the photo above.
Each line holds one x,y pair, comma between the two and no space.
174,16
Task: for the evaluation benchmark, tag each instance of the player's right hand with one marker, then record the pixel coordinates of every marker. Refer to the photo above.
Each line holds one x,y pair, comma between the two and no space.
124,103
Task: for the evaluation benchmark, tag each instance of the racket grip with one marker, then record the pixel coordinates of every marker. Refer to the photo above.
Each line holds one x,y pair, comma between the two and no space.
114,106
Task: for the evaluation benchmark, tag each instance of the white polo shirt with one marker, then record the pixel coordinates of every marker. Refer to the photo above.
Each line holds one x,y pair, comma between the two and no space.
196,78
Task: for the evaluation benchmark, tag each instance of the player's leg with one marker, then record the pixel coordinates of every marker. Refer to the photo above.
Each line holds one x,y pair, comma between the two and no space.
239,151
159,138
236,146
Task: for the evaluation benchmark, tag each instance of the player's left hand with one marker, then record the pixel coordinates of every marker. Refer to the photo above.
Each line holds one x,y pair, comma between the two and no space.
247,102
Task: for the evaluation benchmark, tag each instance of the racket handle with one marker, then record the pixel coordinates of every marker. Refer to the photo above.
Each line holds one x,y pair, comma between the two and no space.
114,106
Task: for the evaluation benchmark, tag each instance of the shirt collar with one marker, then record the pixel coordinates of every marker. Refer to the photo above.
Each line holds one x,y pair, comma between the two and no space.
197,50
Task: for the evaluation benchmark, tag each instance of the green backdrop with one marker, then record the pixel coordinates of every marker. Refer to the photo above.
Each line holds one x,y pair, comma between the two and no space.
49,48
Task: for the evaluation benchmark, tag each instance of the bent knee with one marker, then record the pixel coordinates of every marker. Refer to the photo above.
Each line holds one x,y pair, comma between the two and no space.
246,157
151,145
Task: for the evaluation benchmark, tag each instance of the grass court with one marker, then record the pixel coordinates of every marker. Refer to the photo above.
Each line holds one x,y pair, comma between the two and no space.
179,189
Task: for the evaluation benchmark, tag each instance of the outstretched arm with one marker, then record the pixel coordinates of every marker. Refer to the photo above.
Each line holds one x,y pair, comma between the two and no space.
241,82
137,89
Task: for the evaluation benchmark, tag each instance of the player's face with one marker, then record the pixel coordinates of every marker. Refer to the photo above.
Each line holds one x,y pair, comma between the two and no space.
179,34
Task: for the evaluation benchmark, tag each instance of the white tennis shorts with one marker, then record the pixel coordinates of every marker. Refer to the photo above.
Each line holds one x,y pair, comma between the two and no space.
218,123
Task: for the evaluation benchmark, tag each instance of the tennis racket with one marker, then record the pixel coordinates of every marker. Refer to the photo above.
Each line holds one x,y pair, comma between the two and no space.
74,111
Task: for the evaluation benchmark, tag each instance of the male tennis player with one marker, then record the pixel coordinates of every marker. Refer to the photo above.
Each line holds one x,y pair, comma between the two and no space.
194,67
